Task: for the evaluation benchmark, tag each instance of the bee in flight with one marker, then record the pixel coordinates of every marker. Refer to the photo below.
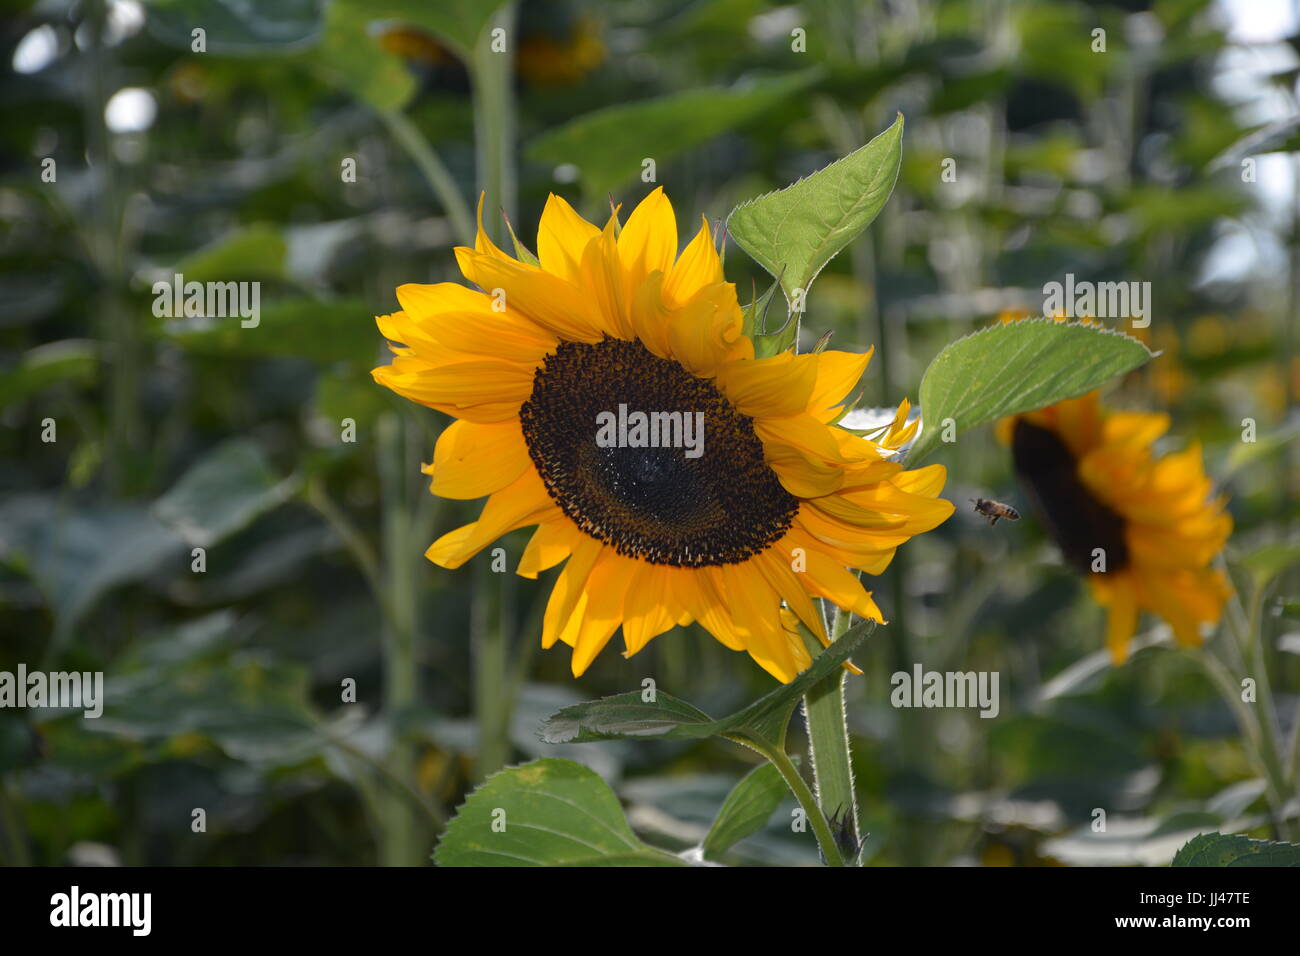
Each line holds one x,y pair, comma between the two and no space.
993,510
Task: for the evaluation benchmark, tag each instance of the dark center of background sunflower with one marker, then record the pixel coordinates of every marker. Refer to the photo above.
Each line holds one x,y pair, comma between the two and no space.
655,504
1075,518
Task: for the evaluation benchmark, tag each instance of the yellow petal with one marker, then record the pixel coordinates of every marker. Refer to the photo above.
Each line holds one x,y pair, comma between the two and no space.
524,502
551,543
698,267
472,459
648,242
562,238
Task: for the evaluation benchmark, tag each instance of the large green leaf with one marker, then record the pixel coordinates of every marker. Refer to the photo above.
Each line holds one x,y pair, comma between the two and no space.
746,810
546,813
1017,367
350,58
223,493
795,231
667,717
237,27
609,145
1226,849
77,554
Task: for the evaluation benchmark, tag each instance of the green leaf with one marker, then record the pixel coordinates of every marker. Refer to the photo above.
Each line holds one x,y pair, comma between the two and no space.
549,812
609,145
238,28
341,330
802,227
223,493
1220,849
746,810
1267,562
253,252
351,59
1251,453
71,362
76,555
668,718
1017,367
458,23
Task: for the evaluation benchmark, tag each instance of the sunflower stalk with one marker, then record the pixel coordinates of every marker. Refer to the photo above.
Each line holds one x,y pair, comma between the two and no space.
401,846
491,72
829,748
494,132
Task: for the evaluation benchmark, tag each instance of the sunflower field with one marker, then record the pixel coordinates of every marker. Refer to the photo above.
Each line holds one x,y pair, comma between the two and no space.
667,433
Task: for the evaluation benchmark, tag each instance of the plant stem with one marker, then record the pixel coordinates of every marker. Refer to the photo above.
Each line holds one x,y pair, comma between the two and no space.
1261,749
435,172
790,774
491,679
401,846
492,80
105,245
828,739
491,73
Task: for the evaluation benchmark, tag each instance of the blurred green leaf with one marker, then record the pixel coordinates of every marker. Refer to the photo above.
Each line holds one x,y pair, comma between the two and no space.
746,810
350,58
250,706
549,812
252,252
667,718
1017,367
223,493
1220,849
238,28
609,145
337,330
795,231
458,23
76,555
1267,562
1246,454
71,362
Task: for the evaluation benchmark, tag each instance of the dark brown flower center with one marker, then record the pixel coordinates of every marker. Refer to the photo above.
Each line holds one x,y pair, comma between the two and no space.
714,502
1075,518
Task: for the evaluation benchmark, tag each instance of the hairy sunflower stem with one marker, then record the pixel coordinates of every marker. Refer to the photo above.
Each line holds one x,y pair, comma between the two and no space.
828,743
799,787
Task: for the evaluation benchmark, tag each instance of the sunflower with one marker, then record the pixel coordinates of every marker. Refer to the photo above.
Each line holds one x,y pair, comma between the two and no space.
1145,530
772,508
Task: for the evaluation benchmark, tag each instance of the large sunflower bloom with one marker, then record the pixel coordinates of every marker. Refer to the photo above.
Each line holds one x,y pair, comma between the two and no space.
776,508
1152,523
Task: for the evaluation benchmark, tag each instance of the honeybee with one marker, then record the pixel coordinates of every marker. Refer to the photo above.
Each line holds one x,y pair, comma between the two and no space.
993,510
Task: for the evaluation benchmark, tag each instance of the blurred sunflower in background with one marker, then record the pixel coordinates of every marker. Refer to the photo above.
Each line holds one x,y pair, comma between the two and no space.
1145,530
556,44
775,508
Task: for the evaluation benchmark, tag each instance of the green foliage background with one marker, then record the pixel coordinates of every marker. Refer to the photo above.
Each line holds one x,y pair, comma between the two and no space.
224,688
